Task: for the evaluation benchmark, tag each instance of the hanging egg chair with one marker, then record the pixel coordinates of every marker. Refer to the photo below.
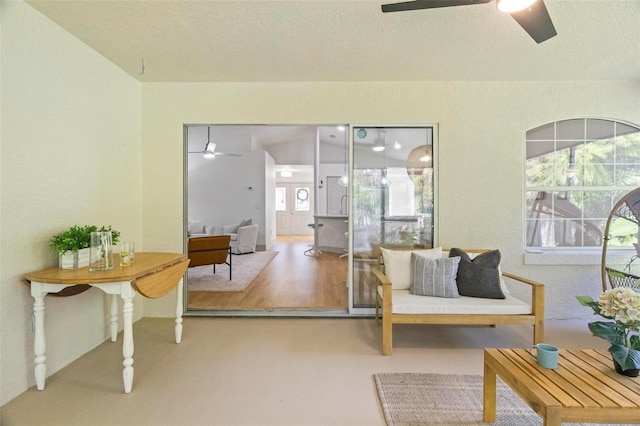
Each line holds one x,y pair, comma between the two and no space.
625,217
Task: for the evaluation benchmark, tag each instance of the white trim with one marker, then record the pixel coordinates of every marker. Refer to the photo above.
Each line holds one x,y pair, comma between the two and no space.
576,257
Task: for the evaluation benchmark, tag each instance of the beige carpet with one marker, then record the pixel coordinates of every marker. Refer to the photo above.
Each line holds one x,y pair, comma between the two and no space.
447,399
245,268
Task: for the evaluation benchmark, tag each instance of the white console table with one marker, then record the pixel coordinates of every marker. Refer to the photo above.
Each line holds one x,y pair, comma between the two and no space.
152,274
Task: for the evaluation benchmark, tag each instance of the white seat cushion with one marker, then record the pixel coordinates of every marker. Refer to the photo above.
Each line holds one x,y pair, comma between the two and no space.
407,303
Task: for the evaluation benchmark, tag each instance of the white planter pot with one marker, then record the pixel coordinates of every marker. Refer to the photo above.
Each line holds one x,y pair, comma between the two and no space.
74,260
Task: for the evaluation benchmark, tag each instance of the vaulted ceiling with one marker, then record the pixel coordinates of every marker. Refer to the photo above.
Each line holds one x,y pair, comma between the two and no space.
305,40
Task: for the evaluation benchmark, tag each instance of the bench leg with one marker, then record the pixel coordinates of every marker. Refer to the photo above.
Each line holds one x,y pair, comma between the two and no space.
387,334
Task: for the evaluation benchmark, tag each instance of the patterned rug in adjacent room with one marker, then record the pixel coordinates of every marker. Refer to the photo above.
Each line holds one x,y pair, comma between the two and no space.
245,268
447,399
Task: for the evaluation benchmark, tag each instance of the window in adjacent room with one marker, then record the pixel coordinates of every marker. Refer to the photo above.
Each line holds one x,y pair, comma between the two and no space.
575,171
302,199
281,199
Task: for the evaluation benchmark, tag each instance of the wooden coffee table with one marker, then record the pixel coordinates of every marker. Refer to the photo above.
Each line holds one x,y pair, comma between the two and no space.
584,387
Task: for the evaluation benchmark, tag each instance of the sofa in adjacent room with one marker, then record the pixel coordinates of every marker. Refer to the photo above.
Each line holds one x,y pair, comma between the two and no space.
244,236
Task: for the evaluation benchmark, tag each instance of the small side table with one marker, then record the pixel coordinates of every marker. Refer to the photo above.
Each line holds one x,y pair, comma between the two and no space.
152,274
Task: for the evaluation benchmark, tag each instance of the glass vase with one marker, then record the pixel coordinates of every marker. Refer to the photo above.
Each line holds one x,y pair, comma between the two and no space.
100,251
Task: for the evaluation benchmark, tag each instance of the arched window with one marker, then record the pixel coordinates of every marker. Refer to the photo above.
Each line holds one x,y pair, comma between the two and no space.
575,171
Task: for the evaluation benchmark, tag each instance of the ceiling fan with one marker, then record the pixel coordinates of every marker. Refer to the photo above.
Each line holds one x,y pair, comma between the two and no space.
532,15
210,148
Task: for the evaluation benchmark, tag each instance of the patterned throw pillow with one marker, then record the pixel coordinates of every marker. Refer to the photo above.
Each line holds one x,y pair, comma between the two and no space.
434,277
480,276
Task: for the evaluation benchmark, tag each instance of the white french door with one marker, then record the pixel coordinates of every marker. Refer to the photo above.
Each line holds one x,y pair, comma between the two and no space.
294,208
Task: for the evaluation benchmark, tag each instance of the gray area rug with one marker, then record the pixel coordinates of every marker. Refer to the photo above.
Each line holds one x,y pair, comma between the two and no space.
245,268
447,399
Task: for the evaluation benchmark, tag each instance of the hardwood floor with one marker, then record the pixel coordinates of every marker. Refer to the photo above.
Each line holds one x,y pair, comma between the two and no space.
292,281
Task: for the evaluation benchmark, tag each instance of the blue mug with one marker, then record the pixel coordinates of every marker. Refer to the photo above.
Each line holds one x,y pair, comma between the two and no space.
547,355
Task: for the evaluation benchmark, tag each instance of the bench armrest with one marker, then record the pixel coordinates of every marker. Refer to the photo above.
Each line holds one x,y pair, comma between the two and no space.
382,278
522,279
386,288
537,303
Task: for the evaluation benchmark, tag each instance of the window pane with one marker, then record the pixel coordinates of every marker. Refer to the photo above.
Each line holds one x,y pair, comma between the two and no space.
628,175
600,129
281,199
535,149
570,129
595,174
596,204
627,148
545,132
540,170
302,199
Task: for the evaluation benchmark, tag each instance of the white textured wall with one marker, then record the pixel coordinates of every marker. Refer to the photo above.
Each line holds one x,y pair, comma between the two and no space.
70,154
482,127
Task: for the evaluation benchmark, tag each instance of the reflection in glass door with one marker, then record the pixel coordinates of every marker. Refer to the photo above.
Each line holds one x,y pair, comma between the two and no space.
393,199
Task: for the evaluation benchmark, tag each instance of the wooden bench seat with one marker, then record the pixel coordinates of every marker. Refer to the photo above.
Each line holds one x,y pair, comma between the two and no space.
401,307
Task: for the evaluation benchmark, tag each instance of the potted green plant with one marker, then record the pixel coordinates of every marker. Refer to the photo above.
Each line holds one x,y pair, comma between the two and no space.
622,305
73,244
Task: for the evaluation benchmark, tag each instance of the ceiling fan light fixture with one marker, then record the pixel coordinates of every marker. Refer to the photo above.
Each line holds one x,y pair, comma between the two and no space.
385,181
510,6
379,144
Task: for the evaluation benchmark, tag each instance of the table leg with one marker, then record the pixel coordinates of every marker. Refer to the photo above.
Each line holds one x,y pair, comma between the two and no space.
127,294
553,416
179,310
39,344
489,394
114,317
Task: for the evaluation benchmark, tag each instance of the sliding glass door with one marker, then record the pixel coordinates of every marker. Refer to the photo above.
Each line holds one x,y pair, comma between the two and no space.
393,196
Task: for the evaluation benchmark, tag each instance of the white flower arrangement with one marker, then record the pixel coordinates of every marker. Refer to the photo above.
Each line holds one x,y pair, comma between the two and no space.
622,305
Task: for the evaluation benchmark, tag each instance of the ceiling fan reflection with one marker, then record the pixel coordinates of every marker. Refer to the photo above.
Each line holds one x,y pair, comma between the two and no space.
210,148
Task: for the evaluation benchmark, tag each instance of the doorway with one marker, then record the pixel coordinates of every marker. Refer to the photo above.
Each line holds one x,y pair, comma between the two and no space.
294,208
252,185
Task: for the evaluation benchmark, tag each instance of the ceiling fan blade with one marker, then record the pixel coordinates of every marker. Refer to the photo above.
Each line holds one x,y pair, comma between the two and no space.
228,155
536,21
428,4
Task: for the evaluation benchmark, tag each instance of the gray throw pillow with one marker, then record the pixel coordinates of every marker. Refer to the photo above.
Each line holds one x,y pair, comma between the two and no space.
480,276
434,277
